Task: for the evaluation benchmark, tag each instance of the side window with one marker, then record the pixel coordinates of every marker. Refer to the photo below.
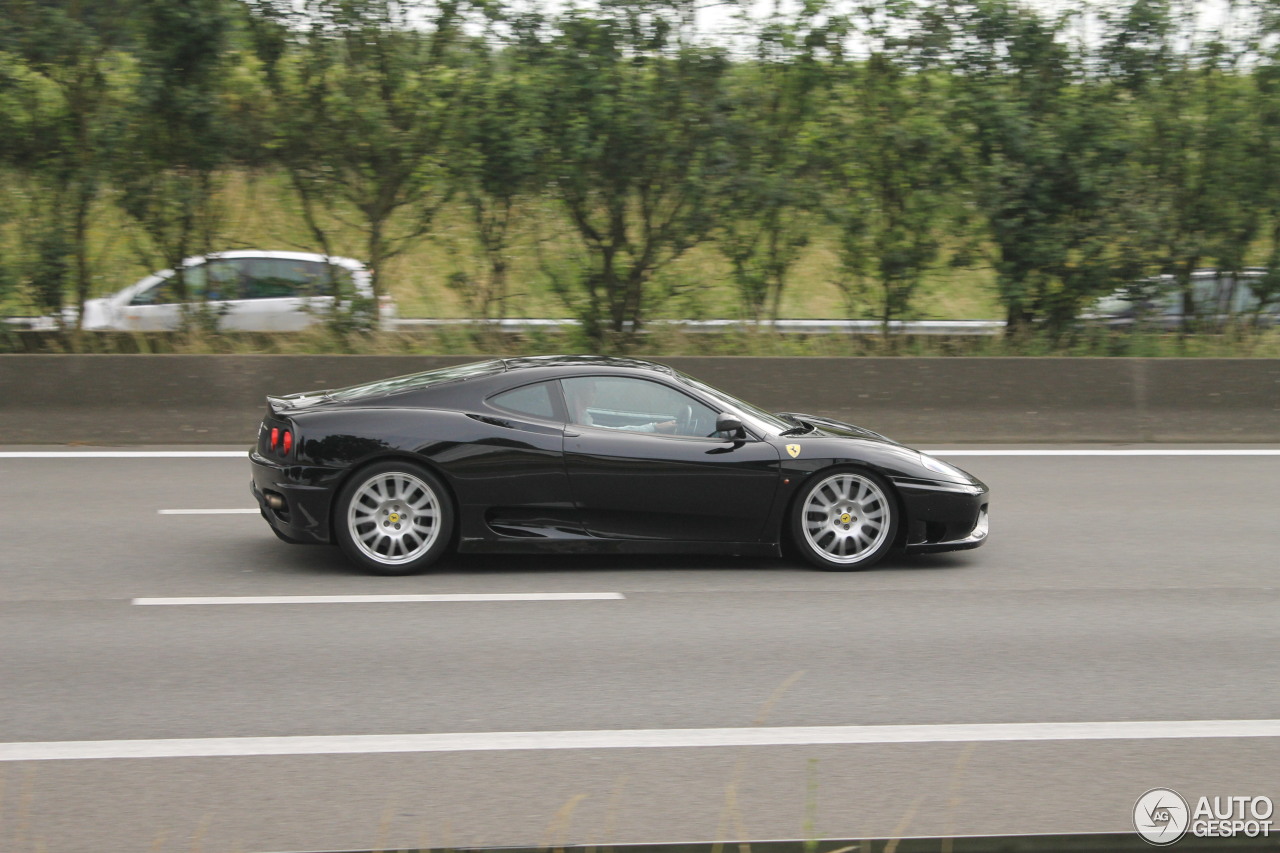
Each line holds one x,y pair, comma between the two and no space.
160,293
329,280
1207,293
1246,299
166,292
278,278
636,405
532,400
221,280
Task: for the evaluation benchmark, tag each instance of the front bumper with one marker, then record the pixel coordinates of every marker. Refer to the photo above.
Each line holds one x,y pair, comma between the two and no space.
944,516
304,492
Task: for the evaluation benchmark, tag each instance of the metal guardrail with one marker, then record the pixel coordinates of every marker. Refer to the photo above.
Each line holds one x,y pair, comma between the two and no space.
786,327
32,324
793,327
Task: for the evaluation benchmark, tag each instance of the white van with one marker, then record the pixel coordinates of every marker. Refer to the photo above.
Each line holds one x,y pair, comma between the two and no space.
247,291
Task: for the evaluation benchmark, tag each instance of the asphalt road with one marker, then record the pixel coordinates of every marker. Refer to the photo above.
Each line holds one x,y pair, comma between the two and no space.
1114,589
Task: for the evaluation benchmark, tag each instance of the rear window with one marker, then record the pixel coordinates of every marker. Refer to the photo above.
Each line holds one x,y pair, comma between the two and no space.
415,381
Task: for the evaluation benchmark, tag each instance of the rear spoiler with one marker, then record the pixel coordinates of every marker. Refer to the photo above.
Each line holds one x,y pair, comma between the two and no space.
293,402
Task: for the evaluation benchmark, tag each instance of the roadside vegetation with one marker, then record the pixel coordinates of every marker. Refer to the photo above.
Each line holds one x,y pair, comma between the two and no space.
656,342
621,163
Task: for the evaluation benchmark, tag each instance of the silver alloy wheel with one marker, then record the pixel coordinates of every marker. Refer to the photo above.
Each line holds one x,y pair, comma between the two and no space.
394,518
846,518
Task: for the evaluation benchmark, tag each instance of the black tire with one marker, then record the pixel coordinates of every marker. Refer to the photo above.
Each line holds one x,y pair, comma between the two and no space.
393,518
844,519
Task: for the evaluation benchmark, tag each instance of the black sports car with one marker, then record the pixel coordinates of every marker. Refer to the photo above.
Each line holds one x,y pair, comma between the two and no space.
581,453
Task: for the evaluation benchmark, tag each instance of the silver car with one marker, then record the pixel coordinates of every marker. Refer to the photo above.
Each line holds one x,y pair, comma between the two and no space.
243,291
1220,297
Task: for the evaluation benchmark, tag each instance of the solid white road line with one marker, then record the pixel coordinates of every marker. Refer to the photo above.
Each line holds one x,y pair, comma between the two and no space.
381,599
636,739
208,511
241,454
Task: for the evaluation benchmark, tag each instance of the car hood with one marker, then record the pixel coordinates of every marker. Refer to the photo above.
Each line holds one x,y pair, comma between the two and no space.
98,314
838,429
898,460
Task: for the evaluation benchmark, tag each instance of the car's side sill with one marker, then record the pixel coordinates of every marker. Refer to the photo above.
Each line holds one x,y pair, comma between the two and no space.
616,546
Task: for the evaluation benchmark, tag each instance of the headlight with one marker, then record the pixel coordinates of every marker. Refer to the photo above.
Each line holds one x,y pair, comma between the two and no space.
940,467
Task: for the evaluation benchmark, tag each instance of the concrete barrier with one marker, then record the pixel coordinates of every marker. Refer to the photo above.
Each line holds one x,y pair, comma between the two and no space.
177,399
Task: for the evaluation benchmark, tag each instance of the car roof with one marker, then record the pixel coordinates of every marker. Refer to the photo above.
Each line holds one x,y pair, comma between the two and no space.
468,384
583,364
349,263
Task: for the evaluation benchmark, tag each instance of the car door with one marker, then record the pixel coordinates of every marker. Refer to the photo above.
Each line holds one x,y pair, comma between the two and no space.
644,463
274,295
160,308
152,309
512,470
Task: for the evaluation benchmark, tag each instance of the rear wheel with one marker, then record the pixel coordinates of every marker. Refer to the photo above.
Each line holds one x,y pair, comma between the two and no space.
845,520
393,518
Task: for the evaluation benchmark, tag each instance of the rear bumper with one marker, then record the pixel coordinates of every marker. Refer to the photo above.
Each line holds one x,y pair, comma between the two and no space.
305,493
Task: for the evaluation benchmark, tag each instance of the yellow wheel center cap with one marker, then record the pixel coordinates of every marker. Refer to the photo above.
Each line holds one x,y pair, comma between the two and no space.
846,518
394,517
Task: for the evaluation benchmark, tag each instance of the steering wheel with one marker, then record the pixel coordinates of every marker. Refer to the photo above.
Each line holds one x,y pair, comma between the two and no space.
684,425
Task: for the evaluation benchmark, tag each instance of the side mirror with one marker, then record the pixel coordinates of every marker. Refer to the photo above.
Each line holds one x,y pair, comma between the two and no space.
730,424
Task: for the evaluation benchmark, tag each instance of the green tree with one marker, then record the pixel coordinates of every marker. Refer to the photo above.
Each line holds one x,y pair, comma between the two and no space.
365,101
497,162
888,184
1199,143
634,127
771,189
176,135
72,53
1266,108
1051,148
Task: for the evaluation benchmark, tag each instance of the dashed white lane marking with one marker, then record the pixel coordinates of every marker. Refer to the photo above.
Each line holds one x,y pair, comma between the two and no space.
636,739
381,599
208,511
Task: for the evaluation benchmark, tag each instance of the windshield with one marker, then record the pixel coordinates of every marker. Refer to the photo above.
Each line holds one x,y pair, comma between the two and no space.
766,418
414,381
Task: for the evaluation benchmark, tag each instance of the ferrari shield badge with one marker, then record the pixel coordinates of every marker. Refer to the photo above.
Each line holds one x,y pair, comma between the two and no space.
794,450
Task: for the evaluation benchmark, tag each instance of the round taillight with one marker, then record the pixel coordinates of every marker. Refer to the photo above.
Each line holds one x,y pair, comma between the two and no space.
288,442
275,437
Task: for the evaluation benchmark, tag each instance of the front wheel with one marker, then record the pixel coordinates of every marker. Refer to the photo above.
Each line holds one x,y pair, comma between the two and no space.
393,518
845,520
